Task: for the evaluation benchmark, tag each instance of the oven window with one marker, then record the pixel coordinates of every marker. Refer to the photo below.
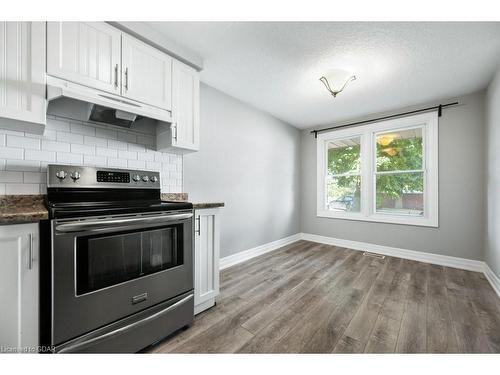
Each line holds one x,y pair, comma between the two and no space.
109,259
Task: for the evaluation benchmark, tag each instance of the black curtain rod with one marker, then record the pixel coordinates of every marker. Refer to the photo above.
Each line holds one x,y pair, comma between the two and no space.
438,107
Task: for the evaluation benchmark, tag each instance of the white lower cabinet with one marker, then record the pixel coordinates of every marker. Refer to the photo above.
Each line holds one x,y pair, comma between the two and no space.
19,268
206,258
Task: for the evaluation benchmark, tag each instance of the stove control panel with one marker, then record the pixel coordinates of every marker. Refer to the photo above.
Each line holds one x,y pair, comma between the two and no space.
113,177
75,176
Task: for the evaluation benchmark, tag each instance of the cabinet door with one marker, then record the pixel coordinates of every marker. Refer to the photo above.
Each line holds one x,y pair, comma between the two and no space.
22,71
206,280
19,279
185,107
146,74
87,53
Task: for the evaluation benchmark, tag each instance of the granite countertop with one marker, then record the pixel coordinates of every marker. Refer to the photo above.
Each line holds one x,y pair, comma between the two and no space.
183,197
15,209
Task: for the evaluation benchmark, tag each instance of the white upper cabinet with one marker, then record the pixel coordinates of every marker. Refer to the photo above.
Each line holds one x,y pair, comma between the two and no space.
19,267
87,53
185,107
98,56
146,73
22,76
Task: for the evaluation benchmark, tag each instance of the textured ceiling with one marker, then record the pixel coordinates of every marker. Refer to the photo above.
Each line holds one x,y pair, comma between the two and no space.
275,66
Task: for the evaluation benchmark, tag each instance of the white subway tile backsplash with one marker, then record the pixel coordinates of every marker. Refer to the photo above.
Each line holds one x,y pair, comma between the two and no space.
11,153
145,156
35,177
23,142
146,140
69,158
153,165
50,134
24,157
22,165
56,124
106,133
136,147
117,163
94,160
101,151
7,176
82,129
22,189
127,155
169,167
49,145
127,137
118,145
36,155
136,164
94,141
177,175
83,149
69,137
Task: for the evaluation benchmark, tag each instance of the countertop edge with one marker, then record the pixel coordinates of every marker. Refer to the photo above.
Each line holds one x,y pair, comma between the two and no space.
201,206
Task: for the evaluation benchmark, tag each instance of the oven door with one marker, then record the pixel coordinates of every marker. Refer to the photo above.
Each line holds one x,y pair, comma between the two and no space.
107,268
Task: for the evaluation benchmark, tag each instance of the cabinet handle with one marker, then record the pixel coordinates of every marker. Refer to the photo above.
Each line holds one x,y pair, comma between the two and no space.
198,219
174,130
126,78
116,76
30,252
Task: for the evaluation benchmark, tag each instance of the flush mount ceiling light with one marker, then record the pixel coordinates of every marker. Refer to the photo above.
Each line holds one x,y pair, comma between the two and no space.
337,80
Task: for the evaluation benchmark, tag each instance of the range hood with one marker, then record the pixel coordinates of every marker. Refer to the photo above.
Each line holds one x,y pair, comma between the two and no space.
105,107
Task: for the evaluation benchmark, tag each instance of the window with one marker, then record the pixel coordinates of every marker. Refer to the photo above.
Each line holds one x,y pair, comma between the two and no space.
385,172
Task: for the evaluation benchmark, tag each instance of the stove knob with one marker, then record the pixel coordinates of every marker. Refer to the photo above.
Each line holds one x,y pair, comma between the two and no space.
136,178
145,178
75,176
61,175
154,178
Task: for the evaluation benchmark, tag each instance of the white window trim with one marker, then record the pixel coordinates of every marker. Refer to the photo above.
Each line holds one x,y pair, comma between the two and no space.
429,124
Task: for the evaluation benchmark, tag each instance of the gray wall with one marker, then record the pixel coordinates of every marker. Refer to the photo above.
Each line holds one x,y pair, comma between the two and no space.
492,252
461,192
249,160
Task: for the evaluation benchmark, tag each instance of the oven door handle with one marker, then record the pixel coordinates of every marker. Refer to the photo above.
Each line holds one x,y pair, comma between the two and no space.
109,224
72,348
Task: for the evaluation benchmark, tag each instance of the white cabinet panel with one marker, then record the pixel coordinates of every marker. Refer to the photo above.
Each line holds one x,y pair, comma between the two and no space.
185,106
146,73
207,243
22,74
19,267
87,53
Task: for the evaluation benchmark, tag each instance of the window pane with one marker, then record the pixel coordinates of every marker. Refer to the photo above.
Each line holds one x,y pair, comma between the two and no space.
399,150
401,193
343,193
344,155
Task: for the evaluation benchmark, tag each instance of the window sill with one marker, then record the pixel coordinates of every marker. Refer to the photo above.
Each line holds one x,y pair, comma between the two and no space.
377,218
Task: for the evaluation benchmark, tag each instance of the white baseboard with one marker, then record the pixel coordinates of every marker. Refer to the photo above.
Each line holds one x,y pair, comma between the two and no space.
492,278
442,260
242,256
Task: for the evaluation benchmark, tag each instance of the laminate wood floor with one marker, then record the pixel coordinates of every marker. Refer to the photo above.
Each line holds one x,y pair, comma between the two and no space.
313,298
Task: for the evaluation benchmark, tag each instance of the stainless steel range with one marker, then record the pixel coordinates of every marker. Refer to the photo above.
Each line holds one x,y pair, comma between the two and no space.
119,267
